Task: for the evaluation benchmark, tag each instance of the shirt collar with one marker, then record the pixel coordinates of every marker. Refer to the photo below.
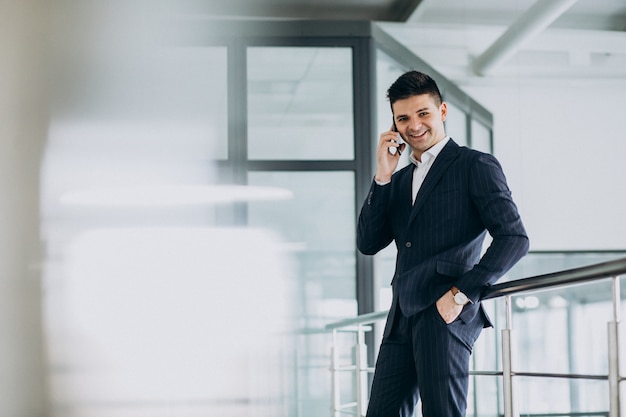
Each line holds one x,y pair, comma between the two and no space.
430,154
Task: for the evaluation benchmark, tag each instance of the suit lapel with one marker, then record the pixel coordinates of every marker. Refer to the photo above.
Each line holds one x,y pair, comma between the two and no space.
447,155
405,183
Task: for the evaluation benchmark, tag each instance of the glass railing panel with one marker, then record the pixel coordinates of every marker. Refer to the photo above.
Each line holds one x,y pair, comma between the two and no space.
563,330
554,396
484,397
317,229
312,390
560,345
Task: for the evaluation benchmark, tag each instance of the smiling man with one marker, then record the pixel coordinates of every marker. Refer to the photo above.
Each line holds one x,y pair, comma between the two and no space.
438,211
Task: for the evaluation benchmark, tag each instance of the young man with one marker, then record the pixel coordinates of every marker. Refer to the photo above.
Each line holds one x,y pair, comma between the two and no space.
438,211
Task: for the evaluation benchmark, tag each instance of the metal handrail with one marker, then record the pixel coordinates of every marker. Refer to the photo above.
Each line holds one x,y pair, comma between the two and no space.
611,269
362,319
557,279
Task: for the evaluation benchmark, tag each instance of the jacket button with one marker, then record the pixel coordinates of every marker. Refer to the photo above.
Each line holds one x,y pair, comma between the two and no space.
407,244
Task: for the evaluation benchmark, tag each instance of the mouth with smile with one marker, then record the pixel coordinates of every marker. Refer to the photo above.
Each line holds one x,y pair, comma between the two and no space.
418,135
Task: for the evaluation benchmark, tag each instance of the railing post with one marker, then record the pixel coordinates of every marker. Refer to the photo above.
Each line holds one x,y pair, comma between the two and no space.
361,376
335,399
613,342
510,409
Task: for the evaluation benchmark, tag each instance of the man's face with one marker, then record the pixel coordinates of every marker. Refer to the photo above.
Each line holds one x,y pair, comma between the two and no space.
420,122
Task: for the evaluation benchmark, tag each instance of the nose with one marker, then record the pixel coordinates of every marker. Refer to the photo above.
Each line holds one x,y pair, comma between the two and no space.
415,124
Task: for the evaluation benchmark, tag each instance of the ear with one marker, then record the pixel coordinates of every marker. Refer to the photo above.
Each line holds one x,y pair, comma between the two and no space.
444,111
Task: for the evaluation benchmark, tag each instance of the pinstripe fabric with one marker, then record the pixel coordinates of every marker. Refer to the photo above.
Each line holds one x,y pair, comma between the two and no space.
439,240
423,356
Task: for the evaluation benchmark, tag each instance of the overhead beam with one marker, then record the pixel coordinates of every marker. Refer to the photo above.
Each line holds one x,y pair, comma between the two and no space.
402,10
539,16
331,10
419,11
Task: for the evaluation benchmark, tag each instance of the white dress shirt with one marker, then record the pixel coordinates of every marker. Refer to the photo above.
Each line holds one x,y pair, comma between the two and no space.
422,167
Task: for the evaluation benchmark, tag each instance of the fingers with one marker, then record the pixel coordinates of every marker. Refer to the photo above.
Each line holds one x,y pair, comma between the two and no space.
388,155
447,308
399,148
389,143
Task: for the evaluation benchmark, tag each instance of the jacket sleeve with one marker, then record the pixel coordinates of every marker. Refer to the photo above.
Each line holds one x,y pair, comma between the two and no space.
374,231
492,198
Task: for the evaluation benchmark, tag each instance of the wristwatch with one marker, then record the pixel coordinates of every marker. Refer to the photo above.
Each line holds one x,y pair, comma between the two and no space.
459,298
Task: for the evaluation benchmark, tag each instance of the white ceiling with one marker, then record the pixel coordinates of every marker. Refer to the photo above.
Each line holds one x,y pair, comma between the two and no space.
547,39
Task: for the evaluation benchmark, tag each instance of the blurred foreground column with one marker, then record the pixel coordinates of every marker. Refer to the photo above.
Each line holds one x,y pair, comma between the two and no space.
22,131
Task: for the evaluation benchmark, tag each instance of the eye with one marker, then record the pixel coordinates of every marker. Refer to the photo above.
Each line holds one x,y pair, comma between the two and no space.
423,114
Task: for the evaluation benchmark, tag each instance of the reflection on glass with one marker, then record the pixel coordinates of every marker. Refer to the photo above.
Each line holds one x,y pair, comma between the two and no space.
300,103
481,137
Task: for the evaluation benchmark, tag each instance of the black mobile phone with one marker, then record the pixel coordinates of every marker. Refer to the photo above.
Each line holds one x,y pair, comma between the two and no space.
398,140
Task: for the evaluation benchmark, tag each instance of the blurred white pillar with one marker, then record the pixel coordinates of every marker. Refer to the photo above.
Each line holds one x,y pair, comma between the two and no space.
23,373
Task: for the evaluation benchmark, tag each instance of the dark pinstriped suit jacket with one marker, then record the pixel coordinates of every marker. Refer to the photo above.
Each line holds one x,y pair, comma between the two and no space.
440,237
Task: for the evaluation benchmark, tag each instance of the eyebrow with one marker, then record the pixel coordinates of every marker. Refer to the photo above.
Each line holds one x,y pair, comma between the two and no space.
398,116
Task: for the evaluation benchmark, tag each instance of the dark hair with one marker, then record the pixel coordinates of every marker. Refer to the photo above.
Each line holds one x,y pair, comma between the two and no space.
413,83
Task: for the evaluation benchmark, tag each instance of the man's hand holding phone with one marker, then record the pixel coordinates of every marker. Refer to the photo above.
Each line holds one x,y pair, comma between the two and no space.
398,140
390,147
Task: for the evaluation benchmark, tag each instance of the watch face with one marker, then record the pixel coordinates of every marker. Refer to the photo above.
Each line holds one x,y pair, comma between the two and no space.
460,298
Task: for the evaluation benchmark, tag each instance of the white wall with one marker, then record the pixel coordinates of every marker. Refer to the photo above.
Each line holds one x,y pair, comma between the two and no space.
22,128
562,146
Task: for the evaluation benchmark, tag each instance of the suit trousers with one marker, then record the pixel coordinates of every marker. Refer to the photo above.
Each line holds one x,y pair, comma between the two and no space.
423,357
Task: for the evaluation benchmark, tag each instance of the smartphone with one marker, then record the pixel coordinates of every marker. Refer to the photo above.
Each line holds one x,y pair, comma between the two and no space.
398,140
